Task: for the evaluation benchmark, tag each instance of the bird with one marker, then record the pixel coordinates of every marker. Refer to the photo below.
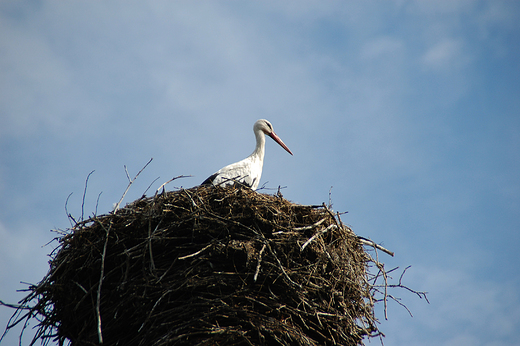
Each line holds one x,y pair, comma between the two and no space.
248,171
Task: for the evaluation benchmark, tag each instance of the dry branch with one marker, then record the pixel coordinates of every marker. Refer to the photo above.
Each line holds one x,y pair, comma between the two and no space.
369,242
130,182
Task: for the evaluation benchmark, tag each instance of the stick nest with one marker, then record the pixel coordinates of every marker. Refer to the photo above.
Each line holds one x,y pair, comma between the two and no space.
208,266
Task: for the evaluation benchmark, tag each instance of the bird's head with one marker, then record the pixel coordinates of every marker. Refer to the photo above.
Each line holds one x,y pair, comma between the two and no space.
266,127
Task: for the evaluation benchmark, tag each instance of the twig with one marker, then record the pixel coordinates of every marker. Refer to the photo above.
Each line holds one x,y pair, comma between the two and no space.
191,199
330,198
84,195
81,287
365,241
127,175
152,262
97,203
281,266
259,262
305,228
195,253
278,192
382,268
130,183
311,206
332,215
153,308
264,186
323,231
14,306
149,186
385,286
69,216
101,275
421,294
169,181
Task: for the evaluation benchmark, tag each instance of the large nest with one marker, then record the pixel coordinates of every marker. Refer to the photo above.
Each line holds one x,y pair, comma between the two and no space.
208,266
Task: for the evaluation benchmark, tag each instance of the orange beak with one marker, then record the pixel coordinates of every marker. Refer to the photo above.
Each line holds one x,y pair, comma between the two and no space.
279,141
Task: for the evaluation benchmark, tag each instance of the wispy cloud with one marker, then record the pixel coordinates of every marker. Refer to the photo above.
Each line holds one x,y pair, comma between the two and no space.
445,55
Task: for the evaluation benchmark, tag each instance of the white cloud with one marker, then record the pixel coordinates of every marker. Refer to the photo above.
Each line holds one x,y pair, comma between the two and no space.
382,47
445,54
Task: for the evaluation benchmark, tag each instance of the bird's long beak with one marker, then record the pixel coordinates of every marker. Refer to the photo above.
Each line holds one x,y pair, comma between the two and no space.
279,141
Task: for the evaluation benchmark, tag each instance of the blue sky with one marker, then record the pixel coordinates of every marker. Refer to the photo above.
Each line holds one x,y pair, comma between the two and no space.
409,110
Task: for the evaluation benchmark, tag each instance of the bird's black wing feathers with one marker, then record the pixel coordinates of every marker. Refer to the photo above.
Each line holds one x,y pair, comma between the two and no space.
210,179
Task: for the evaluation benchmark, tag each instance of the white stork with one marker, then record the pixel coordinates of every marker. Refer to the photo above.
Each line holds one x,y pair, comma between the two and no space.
249,170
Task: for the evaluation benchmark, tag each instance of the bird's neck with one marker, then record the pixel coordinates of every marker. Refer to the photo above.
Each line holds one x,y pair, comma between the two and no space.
260,146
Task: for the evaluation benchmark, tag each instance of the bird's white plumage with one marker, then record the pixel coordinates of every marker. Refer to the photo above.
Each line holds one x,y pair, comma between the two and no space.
249,170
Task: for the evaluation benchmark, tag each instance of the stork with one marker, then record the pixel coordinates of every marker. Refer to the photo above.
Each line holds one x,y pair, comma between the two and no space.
249,170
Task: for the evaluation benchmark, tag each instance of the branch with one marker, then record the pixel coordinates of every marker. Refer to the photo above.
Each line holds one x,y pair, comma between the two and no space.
259,262
84,195
365,241
149,186
421,294
195,253
169,181
14,306
305,228
130,184
69,216
320,232
97,203
101,275
383,287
